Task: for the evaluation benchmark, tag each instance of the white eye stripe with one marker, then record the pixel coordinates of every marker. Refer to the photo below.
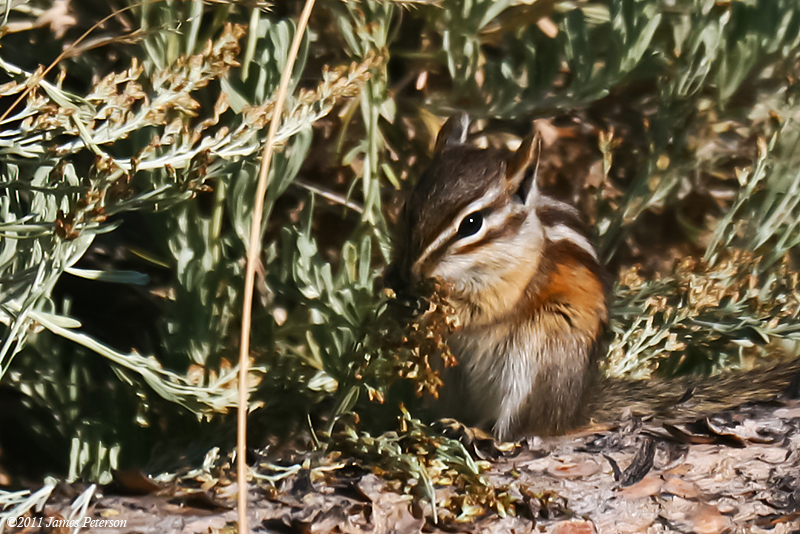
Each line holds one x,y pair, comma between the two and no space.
565,233
495,219
451,230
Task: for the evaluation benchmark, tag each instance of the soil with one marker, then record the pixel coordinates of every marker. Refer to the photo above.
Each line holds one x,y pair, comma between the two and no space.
736,472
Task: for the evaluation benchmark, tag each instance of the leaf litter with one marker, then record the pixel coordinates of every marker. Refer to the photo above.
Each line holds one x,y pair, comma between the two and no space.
637,477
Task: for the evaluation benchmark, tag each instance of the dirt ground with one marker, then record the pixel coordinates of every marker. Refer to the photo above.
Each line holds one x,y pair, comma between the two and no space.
736,472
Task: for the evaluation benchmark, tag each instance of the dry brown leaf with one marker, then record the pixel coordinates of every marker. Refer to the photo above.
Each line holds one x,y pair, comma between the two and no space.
647,487
681,488
573,527
708,520
390,511
577,469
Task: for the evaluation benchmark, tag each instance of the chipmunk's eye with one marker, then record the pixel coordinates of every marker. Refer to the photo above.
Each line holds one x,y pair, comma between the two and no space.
470,225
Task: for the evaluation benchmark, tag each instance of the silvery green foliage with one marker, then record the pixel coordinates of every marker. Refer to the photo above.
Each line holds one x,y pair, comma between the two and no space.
186,118
151,147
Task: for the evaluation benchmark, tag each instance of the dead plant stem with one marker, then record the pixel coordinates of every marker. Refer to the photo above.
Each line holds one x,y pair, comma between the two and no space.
253,253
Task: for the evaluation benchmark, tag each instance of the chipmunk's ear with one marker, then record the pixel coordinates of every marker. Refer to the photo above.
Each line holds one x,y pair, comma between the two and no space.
523,168
454,131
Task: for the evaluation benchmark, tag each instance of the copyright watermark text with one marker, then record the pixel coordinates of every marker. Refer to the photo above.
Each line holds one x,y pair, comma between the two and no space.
55,522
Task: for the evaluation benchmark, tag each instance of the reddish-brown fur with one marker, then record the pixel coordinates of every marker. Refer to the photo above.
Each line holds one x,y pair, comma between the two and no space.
530,295
566,285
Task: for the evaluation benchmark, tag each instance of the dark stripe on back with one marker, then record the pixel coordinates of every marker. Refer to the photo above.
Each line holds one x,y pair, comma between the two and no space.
551,217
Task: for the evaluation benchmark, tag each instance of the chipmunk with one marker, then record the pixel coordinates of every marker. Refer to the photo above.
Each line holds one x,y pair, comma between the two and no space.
530,296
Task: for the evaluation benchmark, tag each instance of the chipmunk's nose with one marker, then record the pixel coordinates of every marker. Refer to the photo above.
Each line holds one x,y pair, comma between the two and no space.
397,278
407,304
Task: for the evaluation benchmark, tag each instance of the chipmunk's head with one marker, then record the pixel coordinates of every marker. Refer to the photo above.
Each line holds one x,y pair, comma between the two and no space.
471,219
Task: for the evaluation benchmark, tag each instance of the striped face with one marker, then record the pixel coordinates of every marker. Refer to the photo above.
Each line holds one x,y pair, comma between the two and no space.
477,222
484,253
470,211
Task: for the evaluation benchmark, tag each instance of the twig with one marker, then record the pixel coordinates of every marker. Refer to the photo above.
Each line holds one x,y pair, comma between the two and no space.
329,195
31,84
253,250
